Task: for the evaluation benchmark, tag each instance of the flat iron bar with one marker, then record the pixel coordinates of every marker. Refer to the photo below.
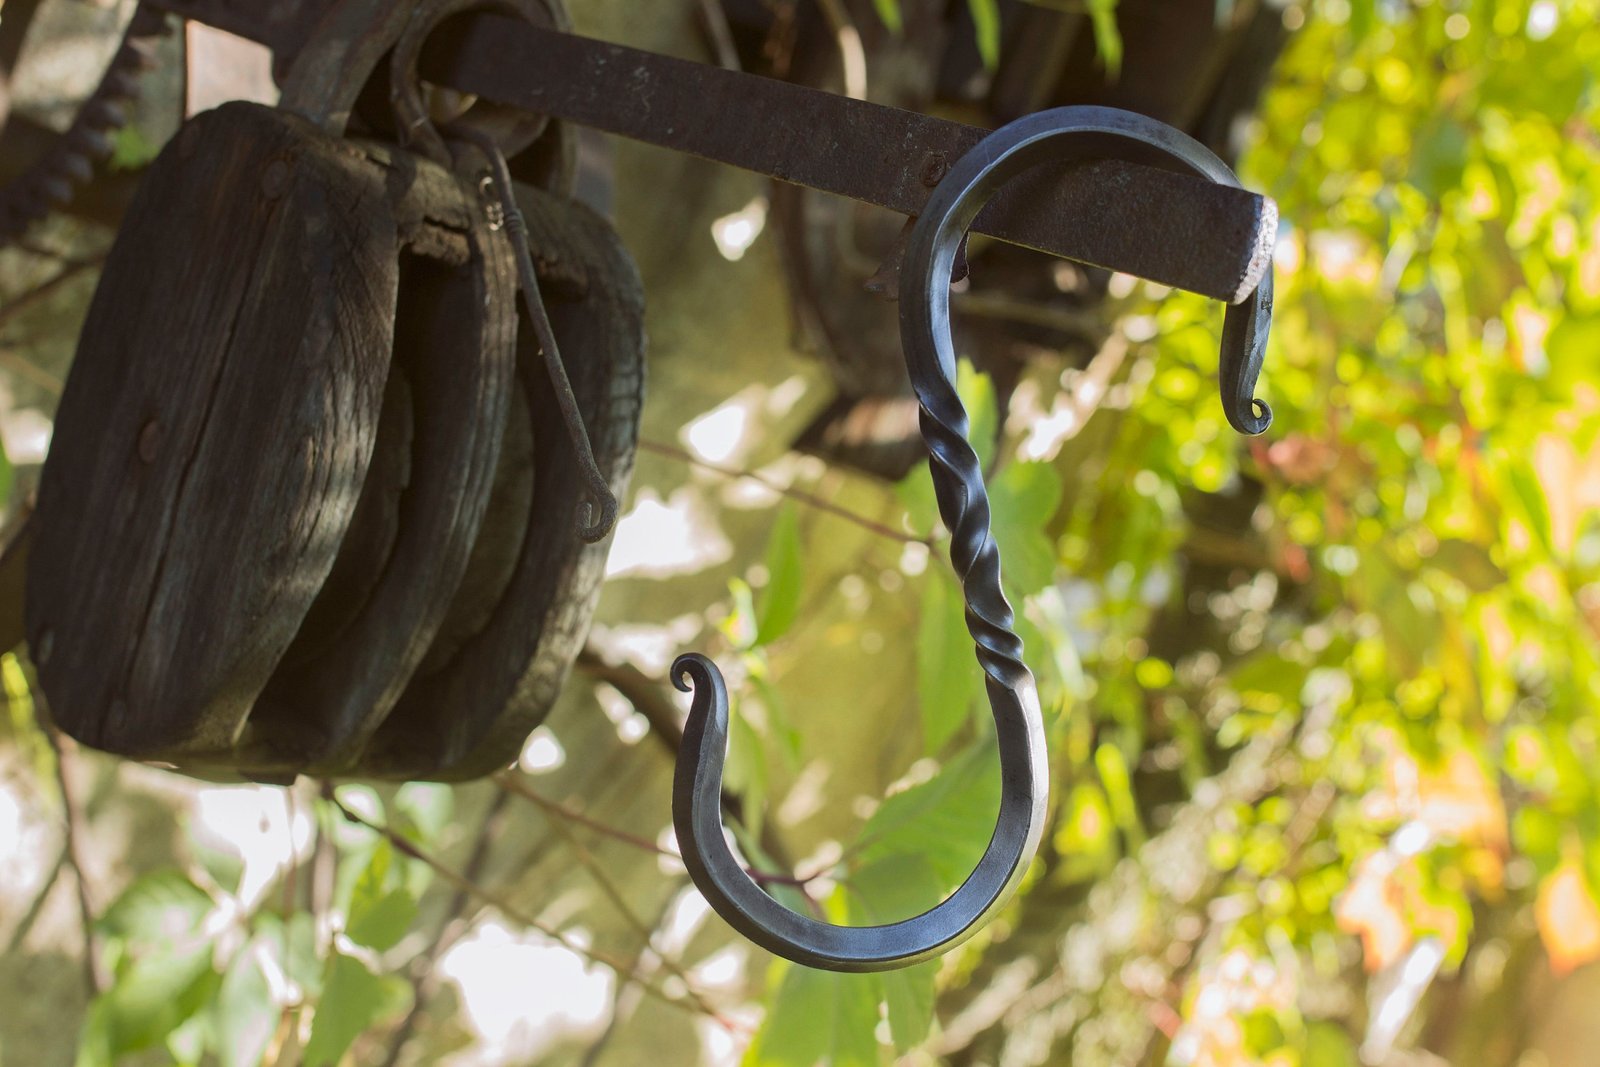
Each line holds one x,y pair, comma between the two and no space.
1170,228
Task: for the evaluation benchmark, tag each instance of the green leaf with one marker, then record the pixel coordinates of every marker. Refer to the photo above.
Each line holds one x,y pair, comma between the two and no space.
244,1016
916,495
745,774
1083,837
1531,496
1469,564
1107,37
948,677
187,1043
780,600
1572,343
885,891
8,475
380,924
1118,783
1023,499
889,12
427,807
946,820
94,1041
1327,1045
819,1017
159,908
155,994
378,876
131,149
982,406
352,1000
986,25
1363,13
294,944
1440,158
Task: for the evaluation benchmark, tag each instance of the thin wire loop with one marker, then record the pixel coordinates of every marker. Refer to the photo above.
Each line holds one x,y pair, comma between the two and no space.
1062,134
589,528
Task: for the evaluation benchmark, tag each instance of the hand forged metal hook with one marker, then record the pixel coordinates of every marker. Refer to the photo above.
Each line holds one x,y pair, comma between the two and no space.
1058,135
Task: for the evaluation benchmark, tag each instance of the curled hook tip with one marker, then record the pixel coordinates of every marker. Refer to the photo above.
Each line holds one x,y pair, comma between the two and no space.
692,669
1255,421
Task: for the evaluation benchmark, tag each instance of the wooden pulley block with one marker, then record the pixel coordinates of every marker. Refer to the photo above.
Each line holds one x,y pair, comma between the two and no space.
494,676
503,650
281,433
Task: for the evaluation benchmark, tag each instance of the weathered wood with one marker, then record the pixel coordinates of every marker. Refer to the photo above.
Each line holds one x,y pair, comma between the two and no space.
455,344
471,714
217,425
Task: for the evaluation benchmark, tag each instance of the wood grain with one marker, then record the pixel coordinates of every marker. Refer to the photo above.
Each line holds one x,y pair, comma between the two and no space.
216,428
455,341
471,715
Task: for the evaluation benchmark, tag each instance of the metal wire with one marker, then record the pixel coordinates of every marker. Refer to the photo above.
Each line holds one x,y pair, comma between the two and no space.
1062,134
589,528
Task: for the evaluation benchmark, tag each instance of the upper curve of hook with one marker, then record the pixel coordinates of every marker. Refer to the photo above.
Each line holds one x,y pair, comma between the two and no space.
1062,134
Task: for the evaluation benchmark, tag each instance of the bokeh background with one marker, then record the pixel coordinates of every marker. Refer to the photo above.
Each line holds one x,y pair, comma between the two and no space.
1321,704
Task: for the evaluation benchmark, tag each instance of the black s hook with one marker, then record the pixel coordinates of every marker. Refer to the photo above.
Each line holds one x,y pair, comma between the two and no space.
1062,134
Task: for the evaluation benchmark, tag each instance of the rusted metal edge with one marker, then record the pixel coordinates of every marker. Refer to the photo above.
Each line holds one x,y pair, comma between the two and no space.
1170,228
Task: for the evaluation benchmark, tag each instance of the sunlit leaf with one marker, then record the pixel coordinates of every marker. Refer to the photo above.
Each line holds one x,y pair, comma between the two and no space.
1084,837
1469,564
1568,918
1022,499
986,24
889,890
1107,37
160,908
1328,1045
1373,909
1118,783
889,12
1531,497
353,999
132,149
155,994
976,390
244,1015
779,602
819,1017
949,679
946,820
427,808
380,923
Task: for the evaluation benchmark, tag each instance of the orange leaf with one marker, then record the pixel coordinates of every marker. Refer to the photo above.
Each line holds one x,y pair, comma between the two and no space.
1374,908
1568,918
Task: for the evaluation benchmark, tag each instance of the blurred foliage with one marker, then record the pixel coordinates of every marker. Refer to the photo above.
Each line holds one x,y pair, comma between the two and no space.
1321,705
986,26
1419,626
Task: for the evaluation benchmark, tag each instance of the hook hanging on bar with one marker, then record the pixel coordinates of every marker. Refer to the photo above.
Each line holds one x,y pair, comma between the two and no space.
1062,134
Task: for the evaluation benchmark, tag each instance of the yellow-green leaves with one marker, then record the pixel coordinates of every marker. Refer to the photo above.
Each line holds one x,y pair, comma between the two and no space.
986,25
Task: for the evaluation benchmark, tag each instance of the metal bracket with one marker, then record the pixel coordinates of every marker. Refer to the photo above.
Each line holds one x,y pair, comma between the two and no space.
1172,228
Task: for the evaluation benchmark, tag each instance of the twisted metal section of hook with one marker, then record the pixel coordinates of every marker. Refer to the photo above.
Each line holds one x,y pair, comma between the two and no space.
591,529
1062,134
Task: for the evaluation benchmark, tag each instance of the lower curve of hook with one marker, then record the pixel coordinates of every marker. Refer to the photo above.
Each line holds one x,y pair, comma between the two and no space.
697,818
